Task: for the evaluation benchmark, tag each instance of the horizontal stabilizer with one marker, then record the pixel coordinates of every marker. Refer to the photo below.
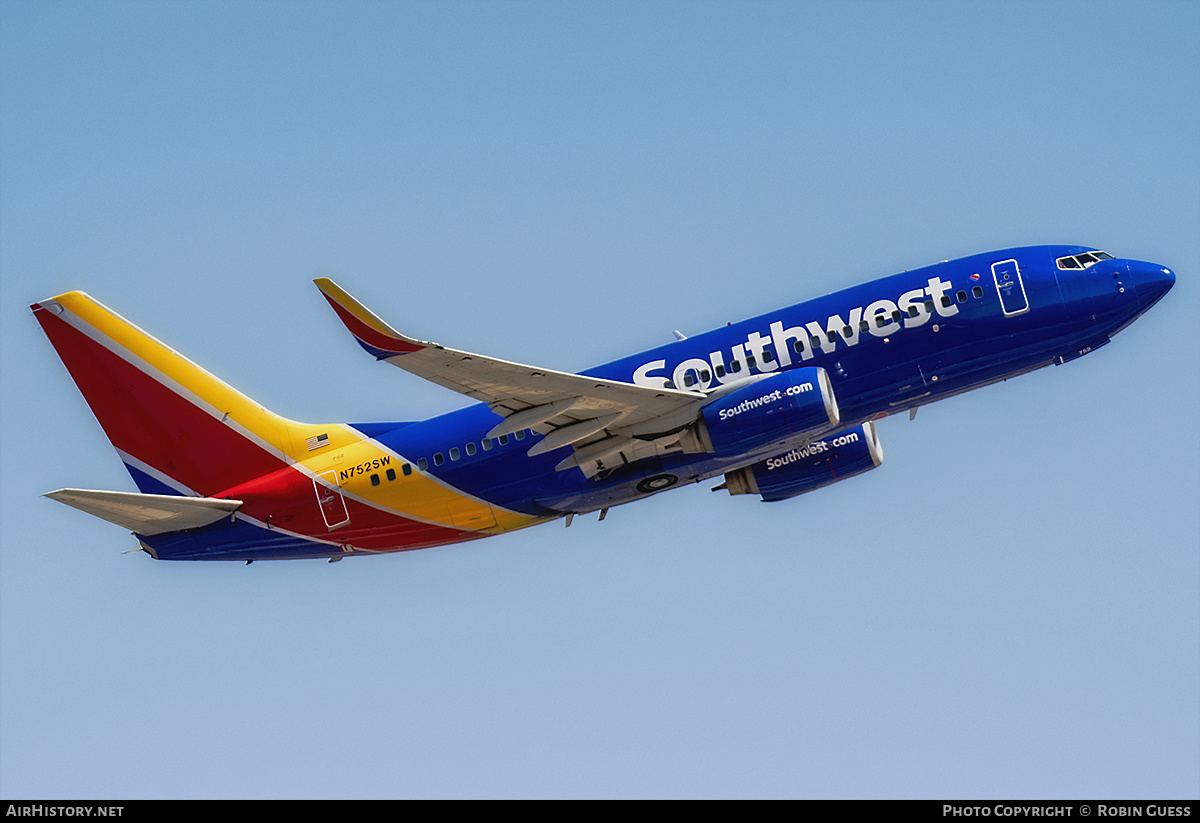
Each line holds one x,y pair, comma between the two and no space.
148,514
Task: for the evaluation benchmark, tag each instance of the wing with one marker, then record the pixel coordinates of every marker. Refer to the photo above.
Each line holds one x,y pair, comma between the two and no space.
602,419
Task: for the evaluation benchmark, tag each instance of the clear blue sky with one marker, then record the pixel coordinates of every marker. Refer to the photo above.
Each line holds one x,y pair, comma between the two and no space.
1009,607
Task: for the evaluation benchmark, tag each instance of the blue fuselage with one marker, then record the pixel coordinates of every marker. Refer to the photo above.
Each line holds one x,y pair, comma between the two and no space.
892,344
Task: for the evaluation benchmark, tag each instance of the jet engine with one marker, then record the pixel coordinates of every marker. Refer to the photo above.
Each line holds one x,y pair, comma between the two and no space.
817,464
791,405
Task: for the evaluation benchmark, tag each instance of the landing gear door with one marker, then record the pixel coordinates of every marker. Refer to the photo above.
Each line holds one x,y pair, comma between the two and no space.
333,505
1007,275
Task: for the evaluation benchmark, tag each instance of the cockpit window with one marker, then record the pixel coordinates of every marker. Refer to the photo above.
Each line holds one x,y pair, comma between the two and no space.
1083,261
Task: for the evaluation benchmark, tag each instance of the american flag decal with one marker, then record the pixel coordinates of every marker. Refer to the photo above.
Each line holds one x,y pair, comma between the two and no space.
317,441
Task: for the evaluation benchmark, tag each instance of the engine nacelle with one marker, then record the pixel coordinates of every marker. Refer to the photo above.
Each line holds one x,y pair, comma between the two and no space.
789,405
818,464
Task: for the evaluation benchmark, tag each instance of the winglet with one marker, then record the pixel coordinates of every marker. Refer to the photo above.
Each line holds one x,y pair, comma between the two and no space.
373,334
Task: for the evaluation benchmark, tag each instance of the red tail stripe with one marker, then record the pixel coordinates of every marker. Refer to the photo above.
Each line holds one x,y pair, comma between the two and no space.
151,422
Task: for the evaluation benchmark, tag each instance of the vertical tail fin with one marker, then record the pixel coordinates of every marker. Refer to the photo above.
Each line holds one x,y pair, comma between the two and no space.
179,429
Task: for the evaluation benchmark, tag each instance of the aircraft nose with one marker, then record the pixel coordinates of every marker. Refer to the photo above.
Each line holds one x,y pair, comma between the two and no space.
1151,281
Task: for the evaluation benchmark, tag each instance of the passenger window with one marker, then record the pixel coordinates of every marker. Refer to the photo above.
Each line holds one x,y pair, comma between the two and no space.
735,366
470,449
946,301
962,297
455,453
520,435
767,356
720,371
503,439
688,380
750,361
407,469
864,326
423,464
487,445
847,332
374,480
391,474
977,291
438,459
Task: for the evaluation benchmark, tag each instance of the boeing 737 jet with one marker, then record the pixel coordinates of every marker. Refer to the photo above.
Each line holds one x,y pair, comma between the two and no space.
774,406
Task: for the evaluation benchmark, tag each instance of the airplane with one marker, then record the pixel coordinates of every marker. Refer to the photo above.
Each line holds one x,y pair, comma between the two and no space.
776,406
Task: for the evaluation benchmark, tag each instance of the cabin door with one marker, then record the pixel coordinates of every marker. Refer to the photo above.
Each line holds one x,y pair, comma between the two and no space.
333,505
1007,275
